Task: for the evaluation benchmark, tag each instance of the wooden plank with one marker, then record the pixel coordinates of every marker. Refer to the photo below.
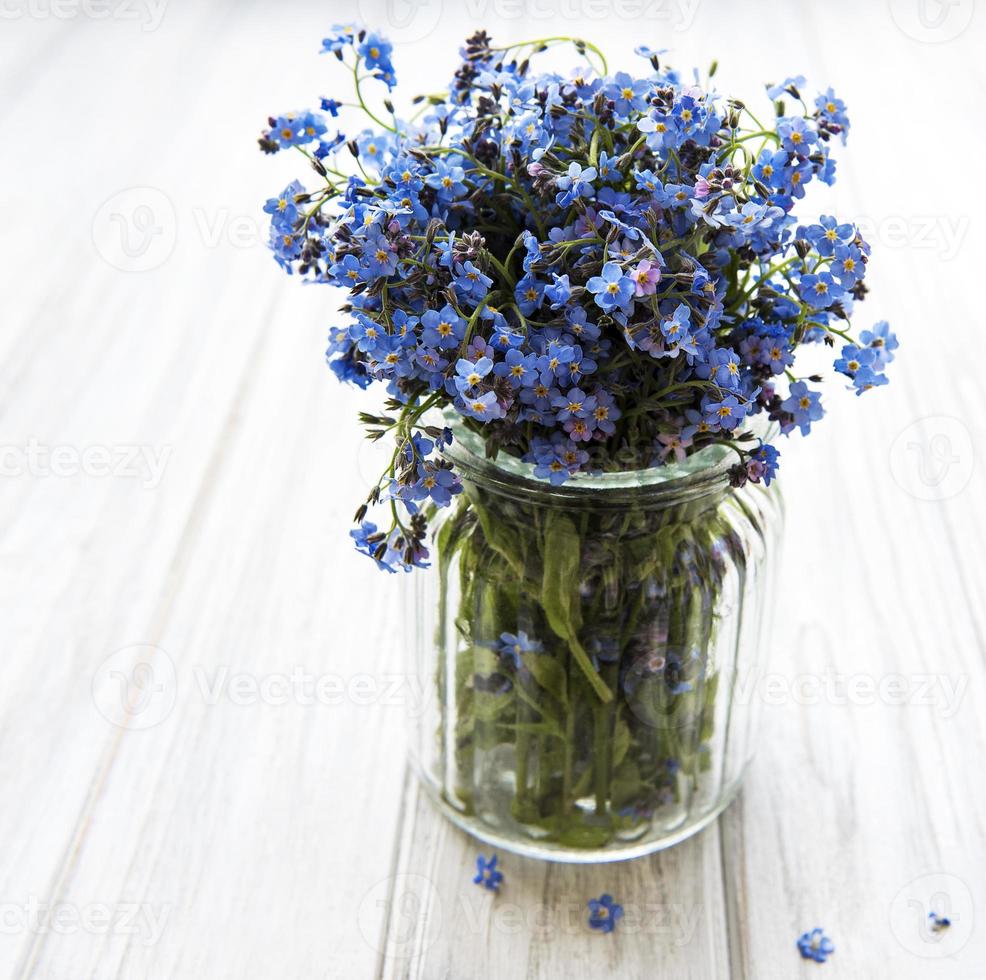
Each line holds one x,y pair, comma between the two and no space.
180,568
440,924
257,834
859,813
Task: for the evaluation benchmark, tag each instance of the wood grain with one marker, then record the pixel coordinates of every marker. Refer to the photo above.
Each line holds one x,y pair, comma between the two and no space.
254,817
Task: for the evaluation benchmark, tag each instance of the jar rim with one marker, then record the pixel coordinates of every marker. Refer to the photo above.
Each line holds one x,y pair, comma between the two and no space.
700,474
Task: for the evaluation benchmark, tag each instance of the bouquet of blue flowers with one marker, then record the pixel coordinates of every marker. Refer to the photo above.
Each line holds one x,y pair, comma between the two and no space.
595,272
589,273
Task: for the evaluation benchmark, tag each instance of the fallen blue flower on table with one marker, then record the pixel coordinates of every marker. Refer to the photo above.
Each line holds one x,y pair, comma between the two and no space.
815,945
604,913
487,874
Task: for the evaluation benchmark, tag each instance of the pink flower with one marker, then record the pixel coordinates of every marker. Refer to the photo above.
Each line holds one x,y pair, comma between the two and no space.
673,443
646,277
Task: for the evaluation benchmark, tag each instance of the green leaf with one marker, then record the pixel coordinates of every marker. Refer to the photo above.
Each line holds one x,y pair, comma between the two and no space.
560,597
489,707
560,589
501,538
532,728
621,742
626,786
548,673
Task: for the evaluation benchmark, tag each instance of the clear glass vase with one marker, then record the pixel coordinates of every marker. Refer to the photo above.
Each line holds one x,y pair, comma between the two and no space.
589,652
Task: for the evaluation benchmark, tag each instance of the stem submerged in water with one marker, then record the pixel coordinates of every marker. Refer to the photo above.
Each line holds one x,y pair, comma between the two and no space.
613,699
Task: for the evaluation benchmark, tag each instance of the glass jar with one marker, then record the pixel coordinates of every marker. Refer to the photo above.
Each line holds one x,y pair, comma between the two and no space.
589,652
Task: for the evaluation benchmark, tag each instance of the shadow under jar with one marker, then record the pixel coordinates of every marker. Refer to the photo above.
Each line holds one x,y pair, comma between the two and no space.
590,652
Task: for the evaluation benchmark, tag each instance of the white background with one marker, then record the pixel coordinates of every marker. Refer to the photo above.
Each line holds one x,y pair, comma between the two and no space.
179,471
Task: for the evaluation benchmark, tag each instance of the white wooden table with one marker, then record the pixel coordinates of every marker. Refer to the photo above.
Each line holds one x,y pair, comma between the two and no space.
179,471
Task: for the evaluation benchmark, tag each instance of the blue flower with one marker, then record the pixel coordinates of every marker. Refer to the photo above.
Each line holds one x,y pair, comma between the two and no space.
529,294
485,408
552,364
331,106
847,265
444,330
469,374
804,405
574,404
866,378
372,150
380,256
283,209
559,292
820,290
514,645
347,272
518,368
605,414
556,459
815,945
648,181
448,180
575,183
627,93
366,333
881,340
853,359
770,166
795,83
832,112
613,289
375,52
726,413
607,168
437,482
385,549
470,283
487,874
797,134
675,327
722,368
343,35
604,913
418,448
293,129
938,923
762,464
828,234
